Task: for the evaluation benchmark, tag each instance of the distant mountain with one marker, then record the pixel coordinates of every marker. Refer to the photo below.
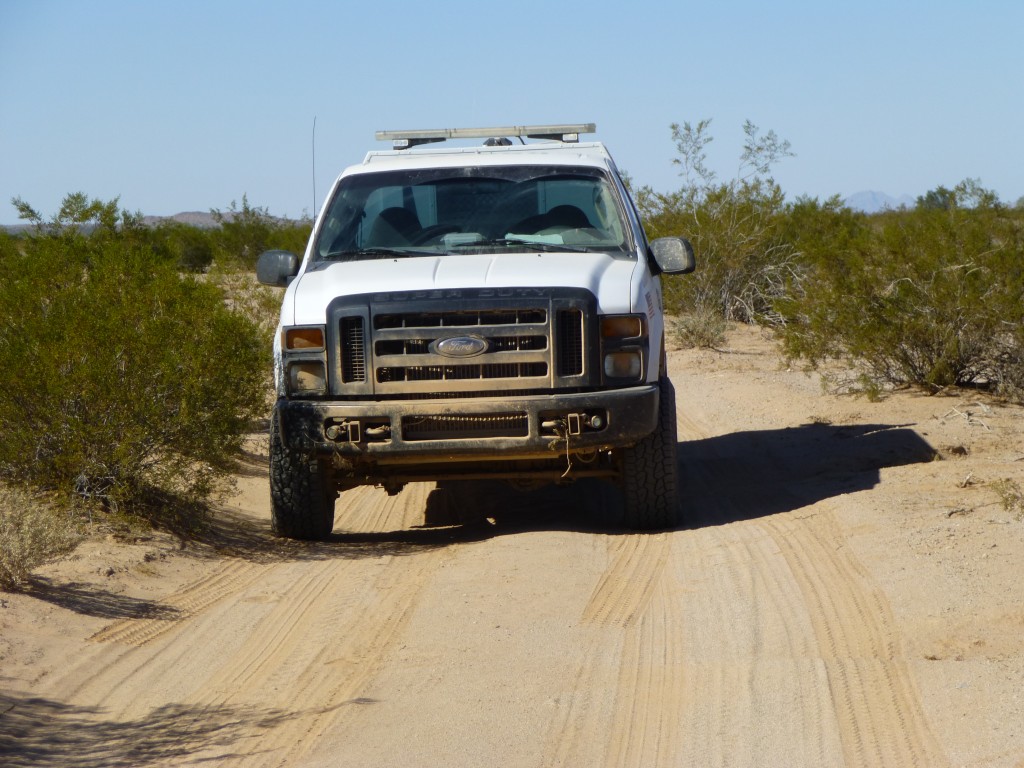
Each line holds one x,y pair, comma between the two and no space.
873,202
200,219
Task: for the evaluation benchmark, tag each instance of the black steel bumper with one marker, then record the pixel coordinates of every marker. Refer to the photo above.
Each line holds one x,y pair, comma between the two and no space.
519,427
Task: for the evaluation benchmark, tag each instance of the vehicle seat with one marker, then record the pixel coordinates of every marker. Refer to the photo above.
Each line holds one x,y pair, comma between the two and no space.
393,227
568,217
561,217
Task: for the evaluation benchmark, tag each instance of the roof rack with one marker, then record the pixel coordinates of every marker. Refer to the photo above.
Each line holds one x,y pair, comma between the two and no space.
564,133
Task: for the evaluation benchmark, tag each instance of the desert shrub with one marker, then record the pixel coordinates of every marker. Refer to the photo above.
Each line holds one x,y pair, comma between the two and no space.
735,227
32,532
929,297
703,327
120,379
259,303
246,231
1010,496
291,235
191,248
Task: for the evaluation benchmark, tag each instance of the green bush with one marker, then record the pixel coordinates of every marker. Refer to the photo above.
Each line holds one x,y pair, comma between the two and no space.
120,380
191,248
929,297
32,532
735,227
246,231
703,327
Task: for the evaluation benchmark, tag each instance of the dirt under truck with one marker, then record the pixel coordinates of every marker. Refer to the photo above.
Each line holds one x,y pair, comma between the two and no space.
467,313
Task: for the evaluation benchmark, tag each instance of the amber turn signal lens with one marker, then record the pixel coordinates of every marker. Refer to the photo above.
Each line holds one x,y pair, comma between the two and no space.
621,327
304,338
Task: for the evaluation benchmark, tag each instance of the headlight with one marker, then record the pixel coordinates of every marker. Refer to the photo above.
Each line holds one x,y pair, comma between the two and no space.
307,378
624,364
623,347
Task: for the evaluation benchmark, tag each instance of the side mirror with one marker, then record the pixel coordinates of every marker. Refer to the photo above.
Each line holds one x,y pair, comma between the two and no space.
277,268
673,255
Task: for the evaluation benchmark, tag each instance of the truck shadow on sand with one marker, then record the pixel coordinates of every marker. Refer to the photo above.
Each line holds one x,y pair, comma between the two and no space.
723,479
746,475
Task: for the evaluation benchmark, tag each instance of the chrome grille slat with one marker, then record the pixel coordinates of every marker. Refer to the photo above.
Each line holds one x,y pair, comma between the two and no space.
513,318
428,358
485,372
430,331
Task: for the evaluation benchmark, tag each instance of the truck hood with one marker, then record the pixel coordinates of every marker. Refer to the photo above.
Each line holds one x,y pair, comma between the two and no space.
611,280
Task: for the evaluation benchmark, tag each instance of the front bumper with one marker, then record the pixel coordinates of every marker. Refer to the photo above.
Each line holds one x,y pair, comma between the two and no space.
426,431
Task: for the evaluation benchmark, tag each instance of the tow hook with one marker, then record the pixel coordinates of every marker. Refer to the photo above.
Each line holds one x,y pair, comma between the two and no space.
573,424
356,431
344,432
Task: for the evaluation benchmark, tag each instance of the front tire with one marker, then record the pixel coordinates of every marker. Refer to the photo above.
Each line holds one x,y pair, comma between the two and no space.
649,471
301,496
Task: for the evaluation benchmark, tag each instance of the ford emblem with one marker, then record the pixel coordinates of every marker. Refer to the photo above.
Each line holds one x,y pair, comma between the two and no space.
460,346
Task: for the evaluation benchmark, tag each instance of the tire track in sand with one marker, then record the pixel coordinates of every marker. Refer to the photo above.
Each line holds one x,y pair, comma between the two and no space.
764,642
625,588
364,509
327,638
288,645
232,577
877,706
631,644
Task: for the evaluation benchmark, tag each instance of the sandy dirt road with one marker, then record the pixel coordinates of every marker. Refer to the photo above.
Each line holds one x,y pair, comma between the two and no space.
846,591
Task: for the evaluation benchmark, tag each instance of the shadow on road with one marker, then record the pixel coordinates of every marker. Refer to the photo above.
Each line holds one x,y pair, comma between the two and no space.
739,476
723,479
90,600
745,475
42,732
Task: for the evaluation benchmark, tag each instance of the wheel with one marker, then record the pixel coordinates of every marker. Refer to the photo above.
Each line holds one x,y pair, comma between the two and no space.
649,470
301,497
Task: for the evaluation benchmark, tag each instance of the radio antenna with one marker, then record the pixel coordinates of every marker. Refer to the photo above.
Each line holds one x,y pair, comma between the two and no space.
314,171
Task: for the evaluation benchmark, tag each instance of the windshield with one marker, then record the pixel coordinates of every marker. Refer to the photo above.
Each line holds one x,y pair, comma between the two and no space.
472,210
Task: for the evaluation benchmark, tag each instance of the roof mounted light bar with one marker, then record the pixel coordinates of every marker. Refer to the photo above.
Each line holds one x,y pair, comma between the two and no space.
565,133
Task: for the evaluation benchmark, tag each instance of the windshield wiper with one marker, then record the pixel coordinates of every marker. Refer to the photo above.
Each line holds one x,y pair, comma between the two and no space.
369,253
535,245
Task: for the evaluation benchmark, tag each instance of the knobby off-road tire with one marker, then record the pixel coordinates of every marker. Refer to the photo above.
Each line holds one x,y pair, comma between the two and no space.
301,498
650,483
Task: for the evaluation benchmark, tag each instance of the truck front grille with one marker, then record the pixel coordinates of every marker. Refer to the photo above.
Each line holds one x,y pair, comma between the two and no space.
404,344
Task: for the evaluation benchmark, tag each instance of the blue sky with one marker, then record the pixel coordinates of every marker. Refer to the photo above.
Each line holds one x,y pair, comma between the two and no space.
186,105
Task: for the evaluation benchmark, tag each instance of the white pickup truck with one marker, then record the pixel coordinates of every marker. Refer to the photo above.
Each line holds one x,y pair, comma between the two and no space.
474,312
